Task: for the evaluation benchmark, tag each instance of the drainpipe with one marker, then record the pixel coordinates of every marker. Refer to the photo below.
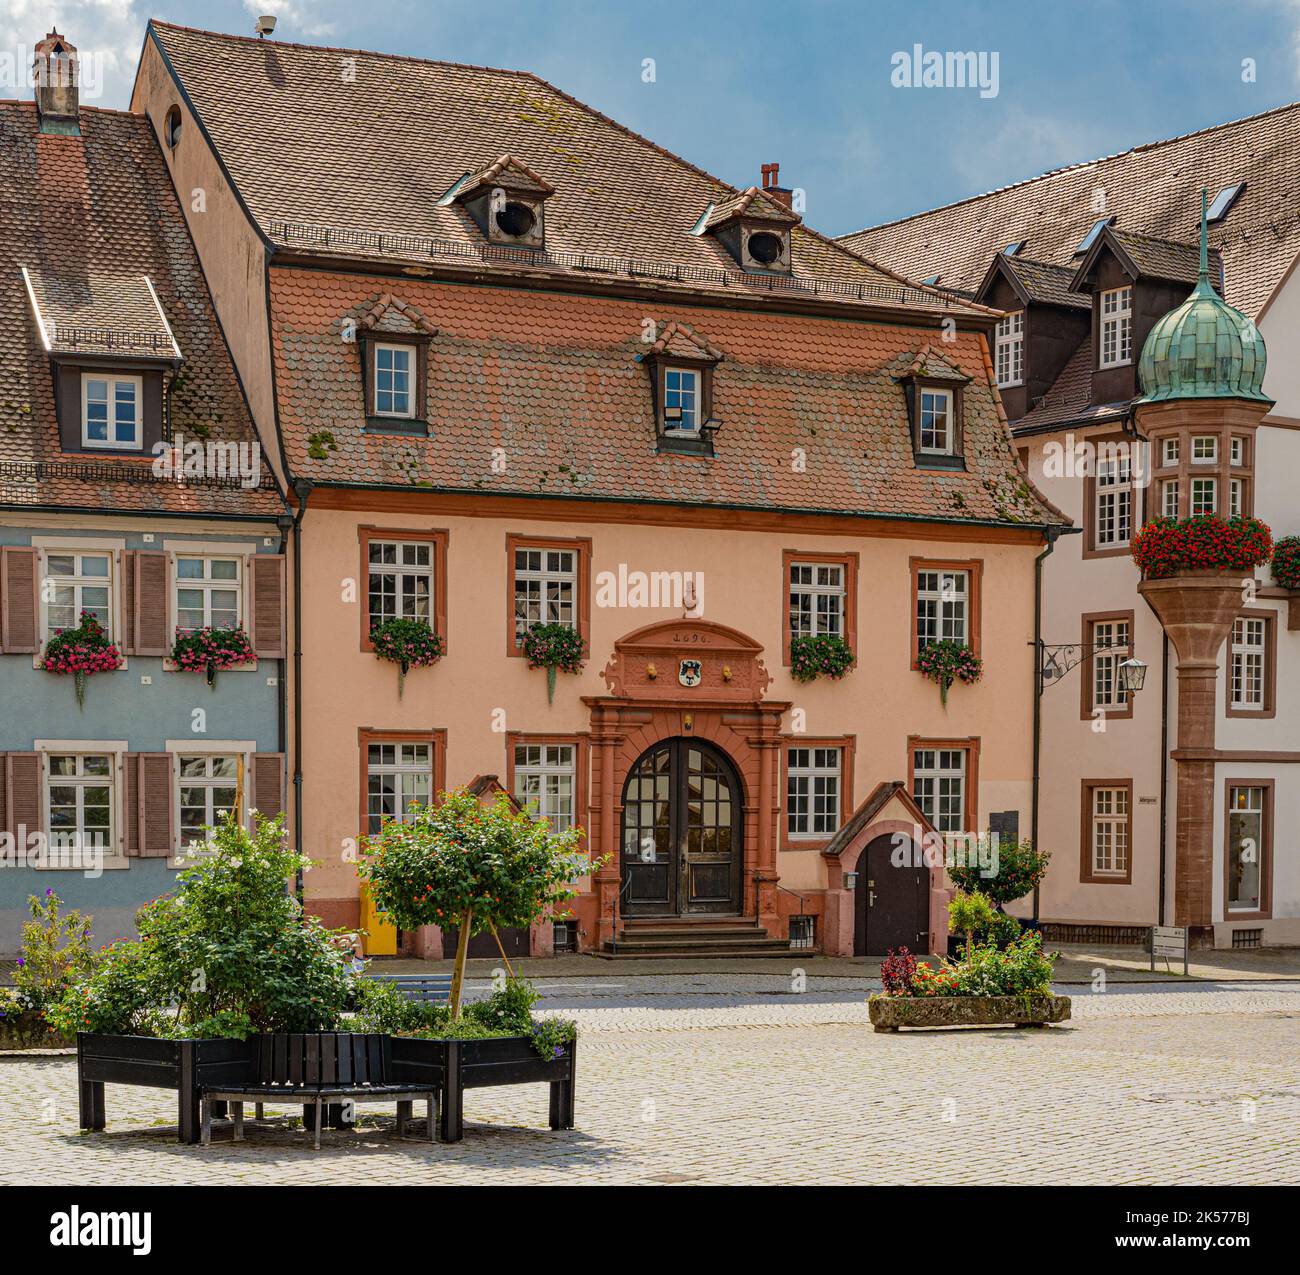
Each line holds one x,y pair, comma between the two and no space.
285,523
1051,533
1164,772
302,489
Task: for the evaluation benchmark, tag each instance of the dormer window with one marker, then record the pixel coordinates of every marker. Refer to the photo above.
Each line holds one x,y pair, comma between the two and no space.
681,365
1116,327
936,433
513,218
1009,344
505,200
172,128
755,228
682,400
111,410
394,382
767,249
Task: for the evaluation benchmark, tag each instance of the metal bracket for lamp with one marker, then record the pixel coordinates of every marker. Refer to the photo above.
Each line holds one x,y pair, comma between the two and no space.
1054,662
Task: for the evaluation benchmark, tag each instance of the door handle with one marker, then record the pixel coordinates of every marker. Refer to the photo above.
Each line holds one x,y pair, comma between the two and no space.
871,898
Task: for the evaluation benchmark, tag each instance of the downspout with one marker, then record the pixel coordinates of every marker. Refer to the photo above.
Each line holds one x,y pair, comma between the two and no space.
1164,773
284,522
1051,533
302,489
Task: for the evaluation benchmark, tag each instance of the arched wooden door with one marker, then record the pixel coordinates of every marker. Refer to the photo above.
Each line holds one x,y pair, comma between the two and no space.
892,903
682,822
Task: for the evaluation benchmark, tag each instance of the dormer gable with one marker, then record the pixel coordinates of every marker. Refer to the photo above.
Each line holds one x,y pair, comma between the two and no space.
934,390
1142,257
393,343
681,364
755,228
506,202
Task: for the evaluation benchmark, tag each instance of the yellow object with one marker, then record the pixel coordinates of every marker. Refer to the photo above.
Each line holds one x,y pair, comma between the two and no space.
380,937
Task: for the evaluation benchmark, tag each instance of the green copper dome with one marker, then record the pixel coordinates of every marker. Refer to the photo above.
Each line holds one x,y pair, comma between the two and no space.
1203,349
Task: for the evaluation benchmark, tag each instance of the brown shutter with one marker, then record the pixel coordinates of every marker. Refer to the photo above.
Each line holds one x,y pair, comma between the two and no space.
125,637
23,793
267,630
130,803
4,789
18,599
154,805
268,783
149,626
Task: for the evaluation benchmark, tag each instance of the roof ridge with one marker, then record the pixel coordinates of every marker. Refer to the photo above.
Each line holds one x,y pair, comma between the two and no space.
1068,168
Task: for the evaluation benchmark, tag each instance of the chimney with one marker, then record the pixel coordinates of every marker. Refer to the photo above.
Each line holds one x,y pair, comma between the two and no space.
55,74
782,194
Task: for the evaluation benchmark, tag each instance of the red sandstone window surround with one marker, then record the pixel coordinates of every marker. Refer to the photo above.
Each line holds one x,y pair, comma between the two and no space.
934,769
801,805
1247,867
1099,688
1250,687
1106,832
819,595
535,767
387,779
403,573
548,582
946,602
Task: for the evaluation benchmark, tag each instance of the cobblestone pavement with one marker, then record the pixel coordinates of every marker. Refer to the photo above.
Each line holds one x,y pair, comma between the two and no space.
727,1084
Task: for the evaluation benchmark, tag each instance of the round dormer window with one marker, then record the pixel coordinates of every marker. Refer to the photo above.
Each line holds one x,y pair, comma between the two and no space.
516,220
172,128
766,248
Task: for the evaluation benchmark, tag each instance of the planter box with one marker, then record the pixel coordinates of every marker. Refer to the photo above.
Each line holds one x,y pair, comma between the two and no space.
456,1065
182,1065
29,1030
889,1013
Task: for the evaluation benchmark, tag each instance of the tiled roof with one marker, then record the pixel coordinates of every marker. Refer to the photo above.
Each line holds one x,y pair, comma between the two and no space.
92,218
1152,189
1047,283
1068,401
1164,258
558,381
358,165
754,203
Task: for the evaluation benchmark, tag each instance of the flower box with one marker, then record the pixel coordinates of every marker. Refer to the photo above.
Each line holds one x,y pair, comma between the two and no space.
29,1030
457,1065
889,1013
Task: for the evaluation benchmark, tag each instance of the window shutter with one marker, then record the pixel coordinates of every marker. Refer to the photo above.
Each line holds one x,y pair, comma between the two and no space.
22,785
268,783
18,599
130,803
150,603
125,636
153,806
267,629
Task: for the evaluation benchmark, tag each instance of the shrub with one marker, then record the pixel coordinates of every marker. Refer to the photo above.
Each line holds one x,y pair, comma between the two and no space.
947,661
1022,969
56,951
408,643
1168,547
1286,562
819,655
969,913
507,1009
463,864
1019,868
554,647
116,997
1001,931
897,971
82,652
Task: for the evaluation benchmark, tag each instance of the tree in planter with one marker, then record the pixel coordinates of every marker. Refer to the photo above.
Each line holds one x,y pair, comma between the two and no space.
463,864
81,652
947,661
1020,867
1286,562
554,647
210,650
968,913
817,655
407,642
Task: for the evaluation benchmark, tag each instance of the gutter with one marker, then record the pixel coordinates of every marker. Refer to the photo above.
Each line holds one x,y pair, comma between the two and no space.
302,489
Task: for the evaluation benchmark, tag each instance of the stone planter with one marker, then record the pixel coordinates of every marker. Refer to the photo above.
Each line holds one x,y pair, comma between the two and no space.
889,1013
30,1031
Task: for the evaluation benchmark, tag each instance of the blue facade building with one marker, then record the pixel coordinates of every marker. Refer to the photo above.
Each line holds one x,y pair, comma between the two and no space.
134,508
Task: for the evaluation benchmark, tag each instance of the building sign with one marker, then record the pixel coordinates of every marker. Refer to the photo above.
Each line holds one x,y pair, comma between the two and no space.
1170,943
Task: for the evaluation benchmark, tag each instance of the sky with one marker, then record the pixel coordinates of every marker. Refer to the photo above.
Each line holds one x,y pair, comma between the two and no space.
809,84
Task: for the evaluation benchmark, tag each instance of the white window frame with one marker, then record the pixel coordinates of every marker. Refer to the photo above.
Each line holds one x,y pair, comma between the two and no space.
1237,451
934,767
1169,451
1205,456
113,546
112,443
819,621
821,779
947,606
207,584
410,373
1107,691
1195,506
1009,350
679,394
933,448
402,771
1116,344
1113,504
237,748
551,609
1170,497
115,750
1236,497
548,765
402,571
1248,664
1113,819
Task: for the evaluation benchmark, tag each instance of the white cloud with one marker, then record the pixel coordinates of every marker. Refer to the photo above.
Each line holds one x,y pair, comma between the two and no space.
293,14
